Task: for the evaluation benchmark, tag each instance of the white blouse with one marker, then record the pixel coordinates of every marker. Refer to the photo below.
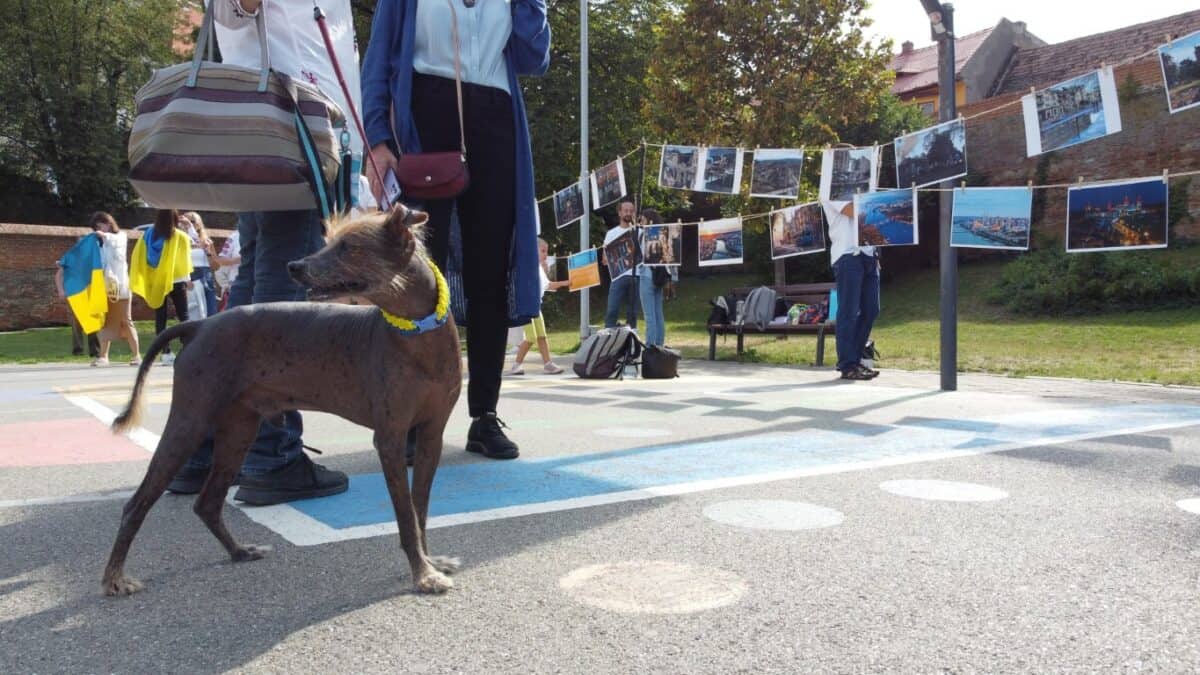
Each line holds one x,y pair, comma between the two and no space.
483,31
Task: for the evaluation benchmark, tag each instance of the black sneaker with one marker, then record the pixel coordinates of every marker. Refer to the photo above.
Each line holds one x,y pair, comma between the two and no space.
190,479
302,479
486,437
855,373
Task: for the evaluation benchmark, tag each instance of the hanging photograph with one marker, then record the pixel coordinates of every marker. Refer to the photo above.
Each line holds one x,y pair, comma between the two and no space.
621,254
932,155
721,242
568,205
1069,113
1180,61
996,218
679,167
608,184
722,170
662,245
848,171
886,218
797,230
775,174
1117,216
583,270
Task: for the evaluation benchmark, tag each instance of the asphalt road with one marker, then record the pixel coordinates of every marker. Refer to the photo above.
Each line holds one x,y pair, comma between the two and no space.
738,519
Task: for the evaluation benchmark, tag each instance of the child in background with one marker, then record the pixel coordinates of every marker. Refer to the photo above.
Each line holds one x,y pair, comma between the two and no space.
536,329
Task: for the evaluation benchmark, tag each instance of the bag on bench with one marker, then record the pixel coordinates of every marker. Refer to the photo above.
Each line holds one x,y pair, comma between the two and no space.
605,353
759,309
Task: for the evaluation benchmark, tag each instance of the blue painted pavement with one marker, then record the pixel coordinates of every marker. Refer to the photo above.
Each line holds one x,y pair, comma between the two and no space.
476,487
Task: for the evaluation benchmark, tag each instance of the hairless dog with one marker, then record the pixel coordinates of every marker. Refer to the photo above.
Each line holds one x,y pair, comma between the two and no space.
369,364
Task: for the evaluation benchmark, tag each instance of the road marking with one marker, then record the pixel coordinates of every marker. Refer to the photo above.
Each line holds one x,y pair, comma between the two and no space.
1189,505
653,587
943,490
773,514
142,437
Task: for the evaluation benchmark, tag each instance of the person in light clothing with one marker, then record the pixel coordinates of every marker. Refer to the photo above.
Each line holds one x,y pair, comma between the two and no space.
535,331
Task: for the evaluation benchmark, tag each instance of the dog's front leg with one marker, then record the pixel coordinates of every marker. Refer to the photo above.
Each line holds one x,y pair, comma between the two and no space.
426,579
429,455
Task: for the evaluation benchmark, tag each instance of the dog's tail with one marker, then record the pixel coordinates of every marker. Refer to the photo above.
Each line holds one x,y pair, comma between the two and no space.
132,415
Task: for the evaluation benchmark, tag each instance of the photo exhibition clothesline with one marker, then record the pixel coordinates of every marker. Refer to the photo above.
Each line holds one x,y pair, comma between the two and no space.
806,151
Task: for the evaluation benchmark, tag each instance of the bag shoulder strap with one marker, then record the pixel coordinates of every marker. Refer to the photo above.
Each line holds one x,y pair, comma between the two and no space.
462,131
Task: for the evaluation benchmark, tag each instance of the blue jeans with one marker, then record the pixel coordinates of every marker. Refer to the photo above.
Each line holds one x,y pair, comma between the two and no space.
858,306
620,291
270,240
208,282
652,307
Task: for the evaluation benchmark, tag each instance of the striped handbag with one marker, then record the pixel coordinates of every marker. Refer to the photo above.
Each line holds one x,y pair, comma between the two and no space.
218,137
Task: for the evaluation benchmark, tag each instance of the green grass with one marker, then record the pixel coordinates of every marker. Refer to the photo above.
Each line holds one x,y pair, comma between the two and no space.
1150,346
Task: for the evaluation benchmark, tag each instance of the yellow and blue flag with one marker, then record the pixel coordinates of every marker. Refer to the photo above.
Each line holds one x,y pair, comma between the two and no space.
83,282
156,264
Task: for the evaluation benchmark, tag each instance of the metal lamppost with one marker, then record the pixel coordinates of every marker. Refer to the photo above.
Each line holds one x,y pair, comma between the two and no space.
941,23
585,224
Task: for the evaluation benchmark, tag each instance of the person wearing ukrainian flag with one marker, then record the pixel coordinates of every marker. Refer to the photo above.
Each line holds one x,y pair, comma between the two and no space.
161,268
80,279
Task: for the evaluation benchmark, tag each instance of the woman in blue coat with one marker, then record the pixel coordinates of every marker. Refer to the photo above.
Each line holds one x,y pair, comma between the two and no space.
410,105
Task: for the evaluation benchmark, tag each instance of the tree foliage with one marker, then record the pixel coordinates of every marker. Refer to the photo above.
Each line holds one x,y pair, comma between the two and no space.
68,72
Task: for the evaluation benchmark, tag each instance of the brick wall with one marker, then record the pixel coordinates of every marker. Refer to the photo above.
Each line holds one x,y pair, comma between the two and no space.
1152,139
28,254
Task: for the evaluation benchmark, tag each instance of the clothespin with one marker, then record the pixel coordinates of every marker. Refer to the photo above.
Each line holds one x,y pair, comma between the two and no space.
1031,186
1032,90
1081,180
1170,41
1166,176
963,186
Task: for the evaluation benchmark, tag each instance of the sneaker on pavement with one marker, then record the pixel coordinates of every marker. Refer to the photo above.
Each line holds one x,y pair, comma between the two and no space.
487,438
190,479
552,368
517,369
99,361
855,373
302,479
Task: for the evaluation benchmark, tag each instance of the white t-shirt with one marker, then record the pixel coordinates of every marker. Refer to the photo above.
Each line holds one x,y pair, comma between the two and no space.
843,234
227,273
613,234
296,47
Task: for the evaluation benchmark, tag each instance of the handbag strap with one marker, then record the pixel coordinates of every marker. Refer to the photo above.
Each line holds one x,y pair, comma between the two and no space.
326,200
207,37
462,132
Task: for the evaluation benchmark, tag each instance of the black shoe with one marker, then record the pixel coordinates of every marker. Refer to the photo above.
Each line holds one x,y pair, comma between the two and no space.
189,480
871,372
486,437
855,373
302,479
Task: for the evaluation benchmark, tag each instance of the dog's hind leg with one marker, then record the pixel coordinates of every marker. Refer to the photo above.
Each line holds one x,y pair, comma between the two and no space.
180,439
429,454
231,442
426,578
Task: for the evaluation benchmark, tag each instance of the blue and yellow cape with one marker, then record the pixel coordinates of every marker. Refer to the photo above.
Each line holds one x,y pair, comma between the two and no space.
157,263
83,282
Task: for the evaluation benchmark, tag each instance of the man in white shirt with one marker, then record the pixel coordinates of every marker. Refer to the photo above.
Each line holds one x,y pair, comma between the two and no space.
276,469
856,270
622,289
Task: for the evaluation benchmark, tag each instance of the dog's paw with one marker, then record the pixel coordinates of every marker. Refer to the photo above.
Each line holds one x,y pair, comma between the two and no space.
434,582
445,564
249,552
121,585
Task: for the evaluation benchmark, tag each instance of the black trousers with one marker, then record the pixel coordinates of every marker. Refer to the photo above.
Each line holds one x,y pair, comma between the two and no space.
177,297
486,216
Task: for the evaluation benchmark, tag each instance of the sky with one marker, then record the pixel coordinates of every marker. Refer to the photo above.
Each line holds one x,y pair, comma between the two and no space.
1051,20
1001,203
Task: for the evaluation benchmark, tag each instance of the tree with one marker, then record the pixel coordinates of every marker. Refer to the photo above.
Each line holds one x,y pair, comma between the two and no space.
69,70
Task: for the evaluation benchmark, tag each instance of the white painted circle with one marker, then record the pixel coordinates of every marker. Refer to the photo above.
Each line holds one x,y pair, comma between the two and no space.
632,432
653,587
1189,505
771,514
943,490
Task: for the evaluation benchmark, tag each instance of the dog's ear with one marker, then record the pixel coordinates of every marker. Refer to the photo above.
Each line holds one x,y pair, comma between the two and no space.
402,218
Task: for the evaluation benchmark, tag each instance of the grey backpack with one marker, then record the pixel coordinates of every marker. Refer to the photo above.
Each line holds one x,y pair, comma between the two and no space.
605,353
759,309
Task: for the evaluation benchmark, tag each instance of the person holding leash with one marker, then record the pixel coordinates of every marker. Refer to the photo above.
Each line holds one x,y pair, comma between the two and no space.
410,106
276,469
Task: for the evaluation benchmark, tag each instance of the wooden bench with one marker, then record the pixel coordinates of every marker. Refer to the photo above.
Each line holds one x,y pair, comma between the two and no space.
793,294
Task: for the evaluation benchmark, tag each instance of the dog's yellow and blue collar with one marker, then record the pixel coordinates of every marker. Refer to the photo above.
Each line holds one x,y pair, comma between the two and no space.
432,322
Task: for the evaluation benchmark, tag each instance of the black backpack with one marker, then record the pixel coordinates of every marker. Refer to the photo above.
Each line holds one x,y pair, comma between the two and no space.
660,363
